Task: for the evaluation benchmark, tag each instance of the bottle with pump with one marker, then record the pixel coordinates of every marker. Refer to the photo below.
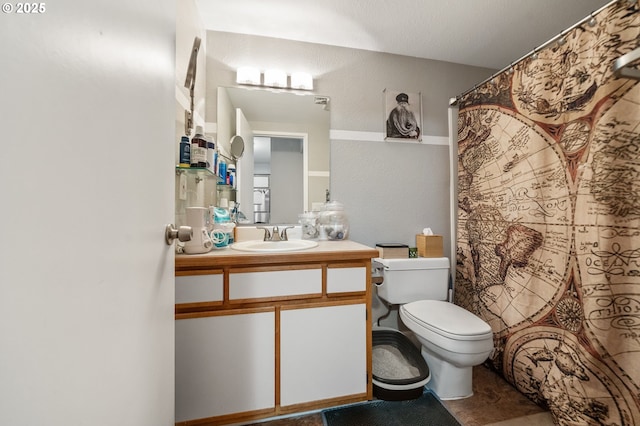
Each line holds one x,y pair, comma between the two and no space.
199,149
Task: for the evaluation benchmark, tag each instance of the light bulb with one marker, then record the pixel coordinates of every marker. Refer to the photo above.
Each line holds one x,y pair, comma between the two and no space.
248,75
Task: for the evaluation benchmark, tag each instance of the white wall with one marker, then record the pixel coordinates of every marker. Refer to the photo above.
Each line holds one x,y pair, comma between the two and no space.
188,27
86,174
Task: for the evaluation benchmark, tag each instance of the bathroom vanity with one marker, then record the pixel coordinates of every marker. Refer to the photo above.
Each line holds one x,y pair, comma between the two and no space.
266,334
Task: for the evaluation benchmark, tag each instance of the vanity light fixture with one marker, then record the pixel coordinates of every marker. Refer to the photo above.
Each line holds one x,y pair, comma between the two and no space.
301,81
275,78
248,75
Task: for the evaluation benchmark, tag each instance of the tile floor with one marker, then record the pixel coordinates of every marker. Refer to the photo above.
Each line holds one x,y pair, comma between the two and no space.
494,403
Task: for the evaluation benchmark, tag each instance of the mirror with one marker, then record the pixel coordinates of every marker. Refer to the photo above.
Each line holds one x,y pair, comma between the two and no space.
237,147
280,143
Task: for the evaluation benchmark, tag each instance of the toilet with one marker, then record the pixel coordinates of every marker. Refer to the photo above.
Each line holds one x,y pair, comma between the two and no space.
453,339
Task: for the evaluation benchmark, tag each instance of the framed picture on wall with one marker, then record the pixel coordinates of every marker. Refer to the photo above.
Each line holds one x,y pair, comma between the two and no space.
403,116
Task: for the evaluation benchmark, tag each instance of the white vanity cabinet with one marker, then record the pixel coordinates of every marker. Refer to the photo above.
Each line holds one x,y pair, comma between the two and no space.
263,335
323,353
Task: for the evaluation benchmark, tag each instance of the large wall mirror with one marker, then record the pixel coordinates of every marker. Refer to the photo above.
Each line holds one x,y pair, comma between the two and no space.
284,168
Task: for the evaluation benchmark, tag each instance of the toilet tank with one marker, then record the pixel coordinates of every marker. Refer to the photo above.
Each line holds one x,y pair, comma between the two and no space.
408,280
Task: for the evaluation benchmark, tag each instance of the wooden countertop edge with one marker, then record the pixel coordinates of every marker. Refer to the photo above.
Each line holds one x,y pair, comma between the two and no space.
211,260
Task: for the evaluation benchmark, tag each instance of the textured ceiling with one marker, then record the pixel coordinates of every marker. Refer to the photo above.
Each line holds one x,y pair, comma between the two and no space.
485,33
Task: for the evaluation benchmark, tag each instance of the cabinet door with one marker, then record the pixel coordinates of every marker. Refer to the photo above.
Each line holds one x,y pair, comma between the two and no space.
224,364
323,353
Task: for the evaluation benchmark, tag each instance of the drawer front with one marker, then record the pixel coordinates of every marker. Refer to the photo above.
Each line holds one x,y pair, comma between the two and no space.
255,285
199,288
346,280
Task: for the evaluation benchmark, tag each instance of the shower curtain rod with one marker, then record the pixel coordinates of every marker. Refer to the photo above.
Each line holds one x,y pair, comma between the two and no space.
454,101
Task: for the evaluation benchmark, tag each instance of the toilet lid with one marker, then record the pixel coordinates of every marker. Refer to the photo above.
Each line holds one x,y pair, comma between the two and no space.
447,319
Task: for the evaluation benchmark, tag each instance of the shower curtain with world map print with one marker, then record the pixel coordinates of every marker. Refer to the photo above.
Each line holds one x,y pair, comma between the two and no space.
548,234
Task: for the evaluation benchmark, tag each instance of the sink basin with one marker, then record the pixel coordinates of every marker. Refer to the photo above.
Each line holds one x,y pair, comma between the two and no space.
273,246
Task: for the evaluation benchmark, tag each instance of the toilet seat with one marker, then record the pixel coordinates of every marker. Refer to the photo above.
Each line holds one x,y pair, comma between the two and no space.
453,341
446,320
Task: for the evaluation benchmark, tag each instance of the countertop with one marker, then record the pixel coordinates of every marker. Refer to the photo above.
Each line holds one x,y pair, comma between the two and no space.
345,250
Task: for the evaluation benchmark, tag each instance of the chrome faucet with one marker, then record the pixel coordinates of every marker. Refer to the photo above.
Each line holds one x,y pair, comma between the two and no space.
275,234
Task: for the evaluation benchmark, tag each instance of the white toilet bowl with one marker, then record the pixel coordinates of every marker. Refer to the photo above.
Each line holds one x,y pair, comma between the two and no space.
453,341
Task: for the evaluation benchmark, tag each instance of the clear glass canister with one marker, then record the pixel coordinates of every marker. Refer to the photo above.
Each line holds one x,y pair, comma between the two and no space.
333,221
309,222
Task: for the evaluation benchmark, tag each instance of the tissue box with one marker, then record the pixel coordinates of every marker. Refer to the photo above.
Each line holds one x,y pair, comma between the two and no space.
429,245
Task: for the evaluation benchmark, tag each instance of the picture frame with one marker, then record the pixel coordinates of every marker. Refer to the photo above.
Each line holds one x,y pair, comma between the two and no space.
403,116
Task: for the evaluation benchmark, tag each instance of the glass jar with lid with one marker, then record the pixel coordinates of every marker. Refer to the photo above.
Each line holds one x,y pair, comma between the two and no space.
309,222
333,222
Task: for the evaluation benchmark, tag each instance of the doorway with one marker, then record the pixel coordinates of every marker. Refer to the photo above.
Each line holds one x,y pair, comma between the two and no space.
280,160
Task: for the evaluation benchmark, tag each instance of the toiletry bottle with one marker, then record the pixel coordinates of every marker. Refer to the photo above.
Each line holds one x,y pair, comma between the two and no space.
199,149
232,175
222,172
185,152
211,148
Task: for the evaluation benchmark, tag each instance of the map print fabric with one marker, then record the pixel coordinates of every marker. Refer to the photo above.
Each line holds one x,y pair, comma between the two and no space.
548,235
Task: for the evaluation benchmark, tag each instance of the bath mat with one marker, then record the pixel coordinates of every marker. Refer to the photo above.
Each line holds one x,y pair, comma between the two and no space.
424,411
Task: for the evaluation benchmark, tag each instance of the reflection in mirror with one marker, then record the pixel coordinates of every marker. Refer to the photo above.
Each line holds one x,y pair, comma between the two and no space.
284,168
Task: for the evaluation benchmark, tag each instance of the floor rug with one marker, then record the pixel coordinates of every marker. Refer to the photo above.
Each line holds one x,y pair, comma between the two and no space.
424,411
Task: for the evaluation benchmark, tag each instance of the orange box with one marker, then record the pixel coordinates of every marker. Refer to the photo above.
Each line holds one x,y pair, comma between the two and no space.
429,245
